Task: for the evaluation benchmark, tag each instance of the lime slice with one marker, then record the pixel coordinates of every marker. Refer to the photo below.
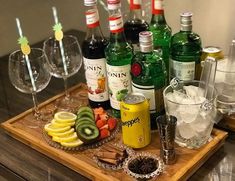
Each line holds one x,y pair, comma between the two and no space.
57,124
50,128
74,143
65,117
68,138
62,134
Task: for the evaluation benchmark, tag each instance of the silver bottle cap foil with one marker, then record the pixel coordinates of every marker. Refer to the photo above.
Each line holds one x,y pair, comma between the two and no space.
186,21
90,2
146,41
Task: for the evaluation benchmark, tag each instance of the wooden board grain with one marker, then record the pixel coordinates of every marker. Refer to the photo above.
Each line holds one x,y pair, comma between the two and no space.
188,161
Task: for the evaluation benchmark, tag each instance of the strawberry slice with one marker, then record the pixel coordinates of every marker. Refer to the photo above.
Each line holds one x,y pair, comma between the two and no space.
112,122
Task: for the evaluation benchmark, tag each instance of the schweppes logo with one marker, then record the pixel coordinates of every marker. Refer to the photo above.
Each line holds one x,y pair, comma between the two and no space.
131,122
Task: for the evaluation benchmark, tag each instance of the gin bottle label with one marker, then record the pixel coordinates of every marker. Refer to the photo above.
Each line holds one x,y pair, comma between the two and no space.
119,83
96,79
148,92
182,70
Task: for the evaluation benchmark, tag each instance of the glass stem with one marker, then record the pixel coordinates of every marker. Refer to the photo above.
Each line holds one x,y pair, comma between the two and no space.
67,95
35,103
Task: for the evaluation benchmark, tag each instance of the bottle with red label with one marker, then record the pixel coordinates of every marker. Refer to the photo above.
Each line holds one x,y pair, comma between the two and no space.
161,31
119,54
94,58
135,24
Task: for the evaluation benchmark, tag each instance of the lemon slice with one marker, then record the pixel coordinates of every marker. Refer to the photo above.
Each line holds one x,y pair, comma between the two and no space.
63,117
62,134
68,138
74,143
57,124
50,128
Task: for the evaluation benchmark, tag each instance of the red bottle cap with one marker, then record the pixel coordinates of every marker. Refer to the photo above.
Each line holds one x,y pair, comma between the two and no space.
135,4
157,7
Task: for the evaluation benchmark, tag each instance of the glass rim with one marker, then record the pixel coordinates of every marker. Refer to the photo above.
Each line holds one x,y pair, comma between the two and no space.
187,81
65,36
32,49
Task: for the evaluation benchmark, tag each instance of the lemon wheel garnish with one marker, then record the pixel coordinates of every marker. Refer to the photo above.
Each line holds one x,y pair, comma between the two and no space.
74,143
57,124
50,128
65,117
62,134
68,138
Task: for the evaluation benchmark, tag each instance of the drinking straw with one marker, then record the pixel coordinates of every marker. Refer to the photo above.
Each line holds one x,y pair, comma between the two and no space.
60,42
26,56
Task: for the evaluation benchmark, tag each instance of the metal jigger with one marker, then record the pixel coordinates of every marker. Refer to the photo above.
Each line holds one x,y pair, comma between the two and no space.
166,129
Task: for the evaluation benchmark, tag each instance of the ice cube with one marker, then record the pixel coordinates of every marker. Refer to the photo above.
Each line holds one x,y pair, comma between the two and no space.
193,91
188,113
200,124
186,131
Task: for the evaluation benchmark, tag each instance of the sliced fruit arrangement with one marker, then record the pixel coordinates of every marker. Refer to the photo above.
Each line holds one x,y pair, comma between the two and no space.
87,126
61,129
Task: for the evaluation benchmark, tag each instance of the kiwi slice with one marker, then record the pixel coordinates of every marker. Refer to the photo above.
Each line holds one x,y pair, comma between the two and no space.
84,120
84,109
87,132
86,114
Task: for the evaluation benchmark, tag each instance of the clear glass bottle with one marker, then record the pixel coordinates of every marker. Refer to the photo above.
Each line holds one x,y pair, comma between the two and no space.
149,75
135,24
118,54
185,50
161,31
94,58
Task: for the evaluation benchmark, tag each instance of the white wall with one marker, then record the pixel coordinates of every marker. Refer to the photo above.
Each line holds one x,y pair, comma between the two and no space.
212,19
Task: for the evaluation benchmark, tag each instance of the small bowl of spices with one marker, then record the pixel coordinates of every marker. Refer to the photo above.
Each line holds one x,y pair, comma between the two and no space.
143,166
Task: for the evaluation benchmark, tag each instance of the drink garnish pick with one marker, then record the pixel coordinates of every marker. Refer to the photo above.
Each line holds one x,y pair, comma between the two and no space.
25,48
57,28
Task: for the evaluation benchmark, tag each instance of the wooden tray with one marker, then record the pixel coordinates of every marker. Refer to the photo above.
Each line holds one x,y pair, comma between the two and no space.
188,161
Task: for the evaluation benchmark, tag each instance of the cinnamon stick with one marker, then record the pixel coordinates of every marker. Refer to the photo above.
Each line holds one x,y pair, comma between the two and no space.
109,160
107,154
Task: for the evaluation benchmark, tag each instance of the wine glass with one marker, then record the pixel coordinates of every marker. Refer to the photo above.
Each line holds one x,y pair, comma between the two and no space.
64,62
21,79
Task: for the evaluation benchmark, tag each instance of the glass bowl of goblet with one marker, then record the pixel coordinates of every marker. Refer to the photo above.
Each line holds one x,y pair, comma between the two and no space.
30,77
65,60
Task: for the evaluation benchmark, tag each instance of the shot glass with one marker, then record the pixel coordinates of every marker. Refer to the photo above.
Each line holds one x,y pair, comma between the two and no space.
166,129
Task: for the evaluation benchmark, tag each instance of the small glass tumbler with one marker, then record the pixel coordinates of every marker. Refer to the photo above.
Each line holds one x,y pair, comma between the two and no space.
166,129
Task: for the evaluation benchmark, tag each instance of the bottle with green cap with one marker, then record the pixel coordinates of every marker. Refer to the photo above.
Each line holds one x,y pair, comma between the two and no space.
185,50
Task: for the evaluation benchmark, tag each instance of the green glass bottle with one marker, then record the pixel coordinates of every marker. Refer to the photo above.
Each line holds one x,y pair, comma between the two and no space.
149,75
185,50
118,55
161,31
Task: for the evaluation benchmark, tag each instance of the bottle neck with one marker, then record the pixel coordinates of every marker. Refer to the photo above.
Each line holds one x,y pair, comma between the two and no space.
146,49
117,37
158,11
135,9
92,22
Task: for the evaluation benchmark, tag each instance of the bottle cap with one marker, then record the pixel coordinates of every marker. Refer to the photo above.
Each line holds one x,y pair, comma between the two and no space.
90,2
146,41
186,21
114,4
